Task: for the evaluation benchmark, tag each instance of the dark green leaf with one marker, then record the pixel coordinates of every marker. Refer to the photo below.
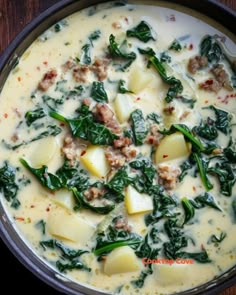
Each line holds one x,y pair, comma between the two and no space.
8,186
49,180
119,181
188,209
98,92
41,224
32,116
205,200
138,126
202,169
175,45
188,101
142,31
86,56
210,49
222,119
154,117
116,52
94,36
206,131
164,57
121,87
218,239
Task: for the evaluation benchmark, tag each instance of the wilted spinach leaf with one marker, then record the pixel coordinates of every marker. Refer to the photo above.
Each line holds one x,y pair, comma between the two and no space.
98,92
32,116
175,45
138,126
142,31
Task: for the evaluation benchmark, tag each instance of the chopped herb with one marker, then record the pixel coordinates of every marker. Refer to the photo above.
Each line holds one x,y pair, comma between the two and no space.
142,31
121,87
164,57
138,126
98,92
175,45
154,117
218,239
58,26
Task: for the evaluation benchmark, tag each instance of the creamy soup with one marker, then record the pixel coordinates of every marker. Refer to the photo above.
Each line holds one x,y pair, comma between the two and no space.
117,153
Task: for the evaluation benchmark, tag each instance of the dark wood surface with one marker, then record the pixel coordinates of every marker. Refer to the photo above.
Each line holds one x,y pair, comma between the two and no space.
14,15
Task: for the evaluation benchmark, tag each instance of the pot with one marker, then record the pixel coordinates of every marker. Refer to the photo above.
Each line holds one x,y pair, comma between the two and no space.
9,59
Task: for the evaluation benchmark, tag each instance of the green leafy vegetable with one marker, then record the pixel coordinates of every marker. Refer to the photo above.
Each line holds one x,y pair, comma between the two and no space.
41,224
206,131
113,238
98,92
176,86
210,49
32,116
154,117
94,36
138,126
202,165
81,203
8,186
121,87
222,119
86,56
142,31
49,180
86,128
119,181
191,102
164,57
70,258
60,25
230,152
188,209
218,239
205,200
175,45
51,102
116,52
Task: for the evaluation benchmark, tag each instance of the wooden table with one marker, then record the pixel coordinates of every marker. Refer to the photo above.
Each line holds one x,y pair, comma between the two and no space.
14,15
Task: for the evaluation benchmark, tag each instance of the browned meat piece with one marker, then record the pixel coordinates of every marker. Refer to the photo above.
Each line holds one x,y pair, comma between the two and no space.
47,80
105,115
210,85
15,137
114,158
221,76
129,152
169,110
80,73
94,193
99,68
70,64
196,63
70,149
154,135
122,223
122,142
184,115
217,151
168,176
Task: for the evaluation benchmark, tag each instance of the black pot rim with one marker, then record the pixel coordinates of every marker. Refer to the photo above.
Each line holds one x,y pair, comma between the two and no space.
211,8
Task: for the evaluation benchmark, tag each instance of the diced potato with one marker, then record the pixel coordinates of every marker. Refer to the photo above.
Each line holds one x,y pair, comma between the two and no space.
95,161
123,107
43,151
175,274
65,225
172,147
64,198
139,80
136,202
121,260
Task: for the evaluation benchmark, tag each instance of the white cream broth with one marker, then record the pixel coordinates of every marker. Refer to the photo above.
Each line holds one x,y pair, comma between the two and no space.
46,213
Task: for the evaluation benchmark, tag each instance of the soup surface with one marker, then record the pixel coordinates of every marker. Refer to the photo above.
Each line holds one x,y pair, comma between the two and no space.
117,149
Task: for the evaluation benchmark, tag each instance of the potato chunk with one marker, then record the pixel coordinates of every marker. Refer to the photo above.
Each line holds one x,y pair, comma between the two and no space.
175,274
172,147
121,260
136,202
43,151
64,198
65,225
123,107
95,161
139,80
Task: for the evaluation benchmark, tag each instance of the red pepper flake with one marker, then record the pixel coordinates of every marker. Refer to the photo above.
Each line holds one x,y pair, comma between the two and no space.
165,156
190,46
83,153
151,140
194,188
19,218
19,79
45,63
138,98
32,206
5,115
206,101
38,68
47,209
232,95
127,20
62,124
